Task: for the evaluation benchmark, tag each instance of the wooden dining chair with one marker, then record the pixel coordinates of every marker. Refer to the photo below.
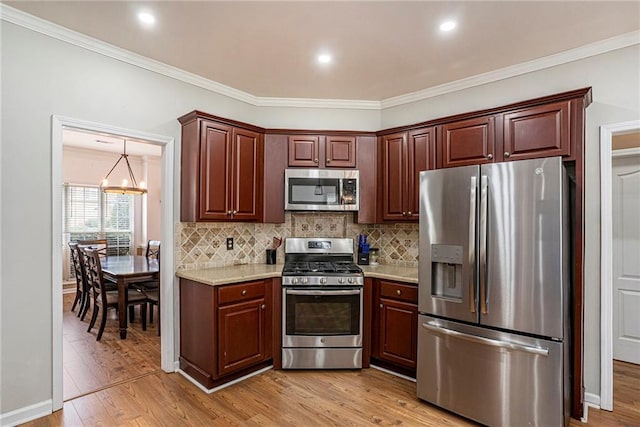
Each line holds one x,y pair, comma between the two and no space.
82,289
101,245
152,288
103,299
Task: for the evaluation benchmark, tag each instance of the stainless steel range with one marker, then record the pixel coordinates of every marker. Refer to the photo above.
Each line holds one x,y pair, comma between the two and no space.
321,304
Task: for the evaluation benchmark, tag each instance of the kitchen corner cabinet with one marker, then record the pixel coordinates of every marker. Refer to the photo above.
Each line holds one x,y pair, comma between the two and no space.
395,326
319,151
225,331
221,171
403,156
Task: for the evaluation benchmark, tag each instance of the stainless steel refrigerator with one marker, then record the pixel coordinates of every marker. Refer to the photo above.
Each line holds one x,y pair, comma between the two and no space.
493,340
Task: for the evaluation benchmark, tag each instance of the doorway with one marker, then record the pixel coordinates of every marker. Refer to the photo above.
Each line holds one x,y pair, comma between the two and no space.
607,135
167,350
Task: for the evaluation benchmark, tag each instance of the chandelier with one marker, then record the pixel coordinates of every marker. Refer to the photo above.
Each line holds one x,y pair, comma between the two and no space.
129,186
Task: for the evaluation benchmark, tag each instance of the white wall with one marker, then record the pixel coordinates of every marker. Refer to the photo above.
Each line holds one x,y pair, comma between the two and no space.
615,79
43,76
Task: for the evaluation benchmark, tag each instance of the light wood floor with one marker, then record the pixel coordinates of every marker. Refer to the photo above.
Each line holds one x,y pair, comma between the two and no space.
91,365
309,398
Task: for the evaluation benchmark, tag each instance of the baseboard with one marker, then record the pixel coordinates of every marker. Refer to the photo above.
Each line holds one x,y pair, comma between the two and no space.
590,401
393,373
220,387
28,413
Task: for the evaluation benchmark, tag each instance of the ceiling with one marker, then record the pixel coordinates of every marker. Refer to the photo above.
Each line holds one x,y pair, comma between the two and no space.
380,49
110,143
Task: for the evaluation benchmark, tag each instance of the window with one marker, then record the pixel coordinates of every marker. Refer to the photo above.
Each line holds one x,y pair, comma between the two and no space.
88,213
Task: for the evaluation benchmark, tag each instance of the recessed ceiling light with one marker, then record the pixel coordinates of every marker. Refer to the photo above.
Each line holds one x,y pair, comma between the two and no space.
146,18
324,58
448,25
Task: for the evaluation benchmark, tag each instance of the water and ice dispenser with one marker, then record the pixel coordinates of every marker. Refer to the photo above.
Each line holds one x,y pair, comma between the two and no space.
446,271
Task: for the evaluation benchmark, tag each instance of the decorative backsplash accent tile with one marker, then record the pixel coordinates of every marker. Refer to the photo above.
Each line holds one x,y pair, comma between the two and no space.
203,244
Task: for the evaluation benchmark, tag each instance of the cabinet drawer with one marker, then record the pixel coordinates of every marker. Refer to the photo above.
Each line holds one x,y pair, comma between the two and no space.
398,291
241,292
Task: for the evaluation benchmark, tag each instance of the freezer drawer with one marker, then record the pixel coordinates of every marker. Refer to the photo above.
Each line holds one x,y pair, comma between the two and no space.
495,378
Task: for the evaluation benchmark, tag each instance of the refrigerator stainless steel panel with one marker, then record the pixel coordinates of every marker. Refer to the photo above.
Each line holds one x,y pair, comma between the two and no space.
495,378
521,283
448,216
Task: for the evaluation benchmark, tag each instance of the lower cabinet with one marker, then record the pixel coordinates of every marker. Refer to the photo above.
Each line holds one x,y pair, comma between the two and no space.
395,326
225,331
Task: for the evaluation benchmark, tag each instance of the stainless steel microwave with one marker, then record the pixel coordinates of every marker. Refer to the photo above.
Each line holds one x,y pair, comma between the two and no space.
321,190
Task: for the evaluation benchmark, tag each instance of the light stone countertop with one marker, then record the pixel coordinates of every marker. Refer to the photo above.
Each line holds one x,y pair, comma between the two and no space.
241,273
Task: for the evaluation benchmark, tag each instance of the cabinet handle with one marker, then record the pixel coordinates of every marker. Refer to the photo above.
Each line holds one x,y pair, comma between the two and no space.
399,292
381,306
315,160
328,160
507,154
404,214
244,292
263,306
229,212
235,212
409,213
489,156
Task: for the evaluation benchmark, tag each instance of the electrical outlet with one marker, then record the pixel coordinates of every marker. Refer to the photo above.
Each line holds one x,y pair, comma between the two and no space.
229,243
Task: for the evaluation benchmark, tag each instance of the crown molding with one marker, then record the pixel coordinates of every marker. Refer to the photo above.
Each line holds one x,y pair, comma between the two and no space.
50,29
603,46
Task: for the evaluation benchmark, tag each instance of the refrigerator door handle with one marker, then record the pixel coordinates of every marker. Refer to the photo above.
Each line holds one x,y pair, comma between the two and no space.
539,351
472,244
484,195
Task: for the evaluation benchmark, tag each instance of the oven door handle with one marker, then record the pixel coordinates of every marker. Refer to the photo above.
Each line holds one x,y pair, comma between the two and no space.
323,292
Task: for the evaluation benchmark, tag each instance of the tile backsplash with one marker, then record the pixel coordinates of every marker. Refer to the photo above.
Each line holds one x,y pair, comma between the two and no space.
203,244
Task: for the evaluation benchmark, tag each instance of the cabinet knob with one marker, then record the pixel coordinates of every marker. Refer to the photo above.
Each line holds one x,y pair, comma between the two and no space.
489,156
409,213
507,154
328,160
315,160
263,306
244,292
404,214
235,212
381,306
229,212
399,292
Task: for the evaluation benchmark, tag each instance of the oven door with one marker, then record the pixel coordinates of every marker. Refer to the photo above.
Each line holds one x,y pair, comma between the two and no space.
322,317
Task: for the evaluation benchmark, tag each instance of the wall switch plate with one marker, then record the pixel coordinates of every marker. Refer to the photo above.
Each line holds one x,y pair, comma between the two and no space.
229,243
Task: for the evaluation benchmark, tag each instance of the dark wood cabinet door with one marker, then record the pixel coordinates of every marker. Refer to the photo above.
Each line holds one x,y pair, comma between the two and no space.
421,157
242,335
247,175
394,176
340,151
398,332
541,131
215,171
468,142
304,151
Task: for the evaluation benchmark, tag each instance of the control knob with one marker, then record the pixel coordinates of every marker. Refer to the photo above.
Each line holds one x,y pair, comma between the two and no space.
340,279
350,279
294,280
304,280
323,280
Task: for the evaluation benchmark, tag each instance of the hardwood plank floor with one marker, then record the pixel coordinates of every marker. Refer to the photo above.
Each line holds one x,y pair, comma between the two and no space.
91,365
289,398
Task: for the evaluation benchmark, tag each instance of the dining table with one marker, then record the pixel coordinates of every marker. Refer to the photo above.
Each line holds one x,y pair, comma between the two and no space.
124,270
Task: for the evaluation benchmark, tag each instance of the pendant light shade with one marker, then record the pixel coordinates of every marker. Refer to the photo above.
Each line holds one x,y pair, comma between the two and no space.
129,186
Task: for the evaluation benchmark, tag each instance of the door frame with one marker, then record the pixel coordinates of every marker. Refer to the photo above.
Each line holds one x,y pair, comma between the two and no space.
167,280
606,256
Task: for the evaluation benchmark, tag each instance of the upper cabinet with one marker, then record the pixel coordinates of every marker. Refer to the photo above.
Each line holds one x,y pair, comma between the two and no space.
540,131
221,171
319,151
403,156
467,142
